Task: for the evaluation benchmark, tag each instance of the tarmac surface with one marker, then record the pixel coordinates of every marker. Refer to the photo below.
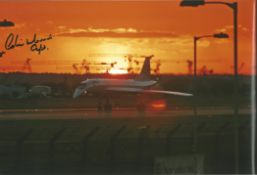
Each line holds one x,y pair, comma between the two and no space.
84,141
82,113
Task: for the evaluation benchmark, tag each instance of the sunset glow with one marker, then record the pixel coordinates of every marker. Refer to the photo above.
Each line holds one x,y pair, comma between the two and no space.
110,31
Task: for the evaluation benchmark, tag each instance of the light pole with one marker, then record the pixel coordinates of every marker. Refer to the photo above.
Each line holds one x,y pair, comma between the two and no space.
196,38
233,6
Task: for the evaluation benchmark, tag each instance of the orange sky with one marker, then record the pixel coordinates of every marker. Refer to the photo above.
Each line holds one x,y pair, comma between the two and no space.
107,31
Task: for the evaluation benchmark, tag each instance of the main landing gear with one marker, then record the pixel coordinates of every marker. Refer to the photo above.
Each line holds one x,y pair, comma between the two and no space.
106,107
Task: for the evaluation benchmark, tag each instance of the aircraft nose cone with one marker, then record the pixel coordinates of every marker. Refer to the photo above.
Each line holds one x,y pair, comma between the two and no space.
78,92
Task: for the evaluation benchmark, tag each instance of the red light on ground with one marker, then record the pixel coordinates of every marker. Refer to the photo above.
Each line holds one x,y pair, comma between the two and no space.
158,104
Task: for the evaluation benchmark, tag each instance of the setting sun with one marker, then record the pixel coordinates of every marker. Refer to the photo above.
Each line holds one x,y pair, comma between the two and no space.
118,71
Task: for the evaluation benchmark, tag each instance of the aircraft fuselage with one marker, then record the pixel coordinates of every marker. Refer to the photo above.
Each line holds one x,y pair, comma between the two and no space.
100,85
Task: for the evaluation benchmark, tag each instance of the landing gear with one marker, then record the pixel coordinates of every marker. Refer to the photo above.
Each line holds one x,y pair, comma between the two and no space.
107,107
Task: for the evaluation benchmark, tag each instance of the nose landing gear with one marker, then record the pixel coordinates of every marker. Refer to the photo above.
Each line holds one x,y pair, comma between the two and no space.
107,107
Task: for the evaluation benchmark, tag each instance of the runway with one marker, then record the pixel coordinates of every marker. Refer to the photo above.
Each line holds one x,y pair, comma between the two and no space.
83,113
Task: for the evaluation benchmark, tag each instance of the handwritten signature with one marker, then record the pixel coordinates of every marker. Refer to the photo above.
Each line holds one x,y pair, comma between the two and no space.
36,44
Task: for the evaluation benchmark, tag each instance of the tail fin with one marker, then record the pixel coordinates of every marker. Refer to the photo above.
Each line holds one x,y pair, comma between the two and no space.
146,70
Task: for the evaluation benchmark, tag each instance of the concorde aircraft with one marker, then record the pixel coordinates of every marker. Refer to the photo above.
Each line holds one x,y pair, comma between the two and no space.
104,87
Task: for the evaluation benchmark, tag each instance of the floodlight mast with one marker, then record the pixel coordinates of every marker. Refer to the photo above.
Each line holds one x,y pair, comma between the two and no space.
6,23
234,7
196,38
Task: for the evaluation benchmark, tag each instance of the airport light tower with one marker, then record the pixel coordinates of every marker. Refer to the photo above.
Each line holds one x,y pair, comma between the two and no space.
196,38
6,23
234,7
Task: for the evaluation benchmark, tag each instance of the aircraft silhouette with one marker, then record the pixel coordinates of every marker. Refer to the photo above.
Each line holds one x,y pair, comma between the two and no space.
105,87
